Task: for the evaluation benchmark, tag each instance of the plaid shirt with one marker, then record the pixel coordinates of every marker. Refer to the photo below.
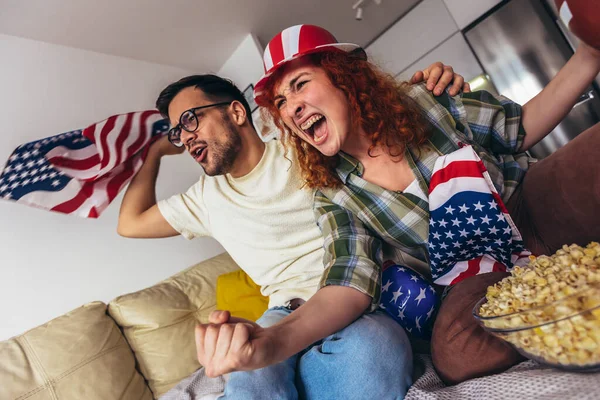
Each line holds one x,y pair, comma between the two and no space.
365,225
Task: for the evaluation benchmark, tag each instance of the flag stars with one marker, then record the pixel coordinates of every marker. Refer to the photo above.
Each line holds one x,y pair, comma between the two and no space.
450,235
422,295
501,217
508,230
478,232
456,244
449,210
443,223
493,205
498,242
493,230
55,182
471,220
456,222
485,220
436,236
418,322
401,313
478,206
430,312
443,246
463,233
386,286
397,294
463,208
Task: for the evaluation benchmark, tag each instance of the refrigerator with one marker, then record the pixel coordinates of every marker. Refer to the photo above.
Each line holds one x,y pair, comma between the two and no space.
521,45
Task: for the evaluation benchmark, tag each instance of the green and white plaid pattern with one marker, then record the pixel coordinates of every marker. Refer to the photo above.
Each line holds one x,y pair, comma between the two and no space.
365,225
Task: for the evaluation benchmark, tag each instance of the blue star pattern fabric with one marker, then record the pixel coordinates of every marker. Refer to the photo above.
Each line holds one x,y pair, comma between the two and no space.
408,298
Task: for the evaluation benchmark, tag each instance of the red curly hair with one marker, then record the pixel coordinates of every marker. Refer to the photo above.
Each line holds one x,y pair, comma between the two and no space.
377,102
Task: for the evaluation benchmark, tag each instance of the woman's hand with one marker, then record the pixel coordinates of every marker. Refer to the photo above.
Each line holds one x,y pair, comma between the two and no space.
228,344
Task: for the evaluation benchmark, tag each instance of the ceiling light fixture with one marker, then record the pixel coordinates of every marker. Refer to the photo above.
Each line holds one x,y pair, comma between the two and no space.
358,6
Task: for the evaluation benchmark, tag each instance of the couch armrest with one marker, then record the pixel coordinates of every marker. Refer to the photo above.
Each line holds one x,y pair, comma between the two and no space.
159,321
79,355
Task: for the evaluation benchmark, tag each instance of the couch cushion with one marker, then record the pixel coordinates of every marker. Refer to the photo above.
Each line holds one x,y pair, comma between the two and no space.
80,355
159,321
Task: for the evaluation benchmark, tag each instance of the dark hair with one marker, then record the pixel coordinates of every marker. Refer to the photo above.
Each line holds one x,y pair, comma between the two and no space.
214,87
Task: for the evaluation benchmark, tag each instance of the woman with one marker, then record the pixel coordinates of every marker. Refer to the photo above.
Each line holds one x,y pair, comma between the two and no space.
369,144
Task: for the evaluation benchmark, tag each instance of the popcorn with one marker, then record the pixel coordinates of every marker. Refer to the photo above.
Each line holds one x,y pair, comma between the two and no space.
551,308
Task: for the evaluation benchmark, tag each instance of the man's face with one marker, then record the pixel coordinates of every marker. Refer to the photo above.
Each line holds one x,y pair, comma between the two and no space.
216,142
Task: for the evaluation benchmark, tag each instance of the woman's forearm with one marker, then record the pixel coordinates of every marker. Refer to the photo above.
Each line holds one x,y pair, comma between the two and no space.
328,311
542,113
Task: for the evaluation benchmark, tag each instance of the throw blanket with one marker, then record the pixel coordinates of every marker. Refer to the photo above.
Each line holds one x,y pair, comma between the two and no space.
528,380
82,171
197,387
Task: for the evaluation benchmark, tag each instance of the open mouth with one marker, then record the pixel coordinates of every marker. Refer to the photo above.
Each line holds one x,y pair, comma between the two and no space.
315,127
199,153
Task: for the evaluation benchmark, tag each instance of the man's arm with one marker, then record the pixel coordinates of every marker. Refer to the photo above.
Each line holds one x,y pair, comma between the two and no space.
542,113
139,216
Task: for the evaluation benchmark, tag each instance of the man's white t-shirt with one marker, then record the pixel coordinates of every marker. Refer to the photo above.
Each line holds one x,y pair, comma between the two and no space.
264,220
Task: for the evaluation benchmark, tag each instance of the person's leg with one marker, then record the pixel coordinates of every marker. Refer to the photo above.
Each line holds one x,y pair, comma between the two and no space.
369,359
460,348
558,202
272,382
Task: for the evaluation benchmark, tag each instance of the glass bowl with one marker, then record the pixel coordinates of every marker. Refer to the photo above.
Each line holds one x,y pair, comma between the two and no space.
563,334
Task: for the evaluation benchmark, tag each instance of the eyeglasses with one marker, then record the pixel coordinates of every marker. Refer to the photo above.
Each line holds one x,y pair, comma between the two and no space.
188,121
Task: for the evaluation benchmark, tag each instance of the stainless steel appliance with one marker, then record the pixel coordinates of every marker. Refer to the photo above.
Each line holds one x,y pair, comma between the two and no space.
520,46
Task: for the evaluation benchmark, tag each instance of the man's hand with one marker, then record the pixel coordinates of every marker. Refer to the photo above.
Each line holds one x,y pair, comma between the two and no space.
228,344
162,147
439,77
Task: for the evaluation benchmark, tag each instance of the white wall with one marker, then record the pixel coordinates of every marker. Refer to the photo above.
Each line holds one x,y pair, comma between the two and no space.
51,263
245,67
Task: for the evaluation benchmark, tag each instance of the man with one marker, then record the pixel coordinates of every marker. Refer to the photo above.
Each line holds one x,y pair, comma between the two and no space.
253,201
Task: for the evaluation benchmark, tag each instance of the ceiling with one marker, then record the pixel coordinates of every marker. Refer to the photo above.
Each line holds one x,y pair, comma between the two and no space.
198,35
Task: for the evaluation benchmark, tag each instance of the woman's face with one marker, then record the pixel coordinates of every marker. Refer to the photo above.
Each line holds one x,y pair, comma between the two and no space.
314,109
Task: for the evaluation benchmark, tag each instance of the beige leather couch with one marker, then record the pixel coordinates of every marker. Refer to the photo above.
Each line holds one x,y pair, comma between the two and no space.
137,347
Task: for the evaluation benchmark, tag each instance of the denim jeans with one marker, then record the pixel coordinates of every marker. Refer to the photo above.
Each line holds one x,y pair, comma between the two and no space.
369,359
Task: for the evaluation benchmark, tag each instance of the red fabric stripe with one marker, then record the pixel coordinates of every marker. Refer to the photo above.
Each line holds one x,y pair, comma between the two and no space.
457,169
89,133
106,130
276,48
125,131
498,267
136,146
114,185
500,203
472,270
93,213
71,205
79,165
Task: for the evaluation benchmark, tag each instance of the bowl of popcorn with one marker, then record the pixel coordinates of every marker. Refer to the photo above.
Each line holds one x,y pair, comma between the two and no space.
549,310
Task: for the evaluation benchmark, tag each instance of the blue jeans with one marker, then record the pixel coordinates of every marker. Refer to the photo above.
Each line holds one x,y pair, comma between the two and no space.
369,359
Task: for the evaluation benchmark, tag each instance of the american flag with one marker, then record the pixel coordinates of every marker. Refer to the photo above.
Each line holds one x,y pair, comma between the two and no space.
82,171
470,229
